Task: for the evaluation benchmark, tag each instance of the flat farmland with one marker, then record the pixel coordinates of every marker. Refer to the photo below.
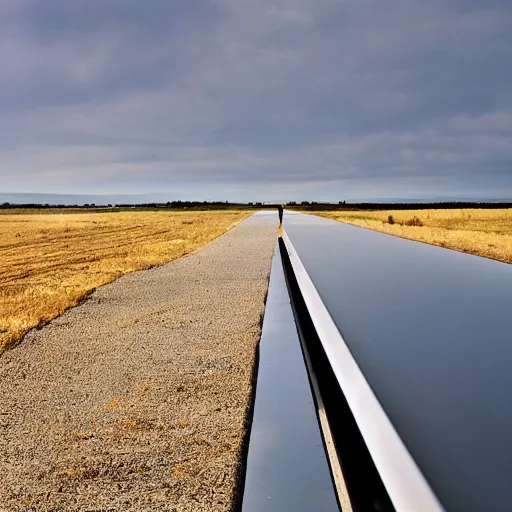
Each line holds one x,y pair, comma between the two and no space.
48,263
484,232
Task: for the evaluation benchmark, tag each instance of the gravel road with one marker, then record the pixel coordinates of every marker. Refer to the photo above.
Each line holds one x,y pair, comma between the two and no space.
136,400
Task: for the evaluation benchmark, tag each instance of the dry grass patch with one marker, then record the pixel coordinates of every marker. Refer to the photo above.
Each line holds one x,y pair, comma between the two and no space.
478,231
83,435
50,262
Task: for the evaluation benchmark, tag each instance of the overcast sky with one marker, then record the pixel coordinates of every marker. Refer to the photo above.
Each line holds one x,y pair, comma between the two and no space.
257,99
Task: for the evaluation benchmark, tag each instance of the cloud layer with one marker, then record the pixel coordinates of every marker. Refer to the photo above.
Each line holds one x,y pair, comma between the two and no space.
246,99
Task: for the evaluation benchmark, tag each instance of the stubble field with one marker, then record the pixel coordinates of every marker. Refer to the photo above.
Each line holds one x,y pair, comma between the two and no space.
48,263
484,232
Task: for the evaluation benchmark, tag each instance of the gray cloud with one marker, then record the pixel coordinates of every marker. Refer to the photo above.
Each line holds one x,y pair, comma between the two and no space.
284,99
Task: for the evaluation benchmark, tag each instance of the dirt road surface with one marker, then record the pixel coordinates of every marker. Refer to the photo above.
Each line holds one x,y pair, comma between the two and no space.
136,400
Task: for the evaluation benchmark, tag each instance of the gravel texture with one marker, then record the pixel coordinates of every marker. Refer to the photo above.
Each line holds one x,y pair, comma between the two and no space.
137,399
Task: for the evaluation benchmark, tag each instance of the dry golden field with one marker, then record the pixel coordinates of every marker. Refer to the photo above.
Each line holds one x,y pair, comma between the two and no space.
50,262
478,231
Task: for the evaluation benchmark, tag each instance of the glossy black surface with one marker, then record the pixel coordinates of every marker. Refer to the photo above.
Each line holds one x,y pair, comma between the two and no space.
287,468
431,329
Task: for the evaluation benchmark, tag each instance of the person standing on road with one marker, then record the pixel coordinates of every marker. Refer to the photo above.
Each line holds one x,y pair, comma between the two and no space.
280,211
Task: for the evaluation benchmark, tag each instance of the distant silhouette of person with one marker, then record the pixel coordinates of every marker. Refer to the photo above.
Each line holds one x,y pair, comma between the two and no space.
280,211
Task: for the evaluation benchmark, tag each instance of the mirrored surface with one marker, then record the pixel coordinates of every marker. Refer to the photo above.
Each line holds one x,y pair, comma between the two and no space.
431,330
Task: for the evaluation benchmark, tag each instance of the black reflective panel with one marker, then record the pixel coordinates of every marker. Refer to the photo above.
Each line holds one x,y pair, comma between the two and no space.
287,469
431,330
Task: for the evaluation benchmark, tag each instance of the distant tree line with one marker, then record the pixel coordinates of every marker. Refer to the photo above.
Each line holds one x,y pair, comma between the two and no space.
451,205
169,205
40,206
223,205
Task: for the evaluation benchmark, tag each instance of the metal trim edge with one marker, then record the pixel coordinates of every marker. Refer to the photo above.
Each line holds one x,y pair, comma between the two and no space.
405,483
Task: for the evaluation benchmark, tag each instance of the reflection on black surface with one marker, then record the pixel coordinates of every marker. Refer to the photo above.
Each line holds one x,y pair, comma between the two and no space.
431,330
363,482
287,469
